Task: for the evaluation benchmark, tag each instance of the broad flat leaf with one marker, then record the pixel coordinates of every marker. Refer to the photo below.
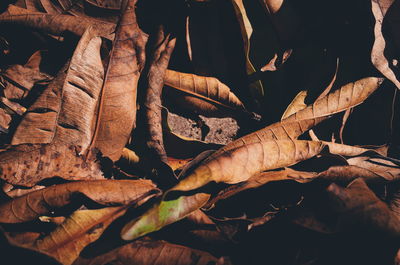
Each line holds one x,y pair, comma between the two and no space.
55,24
117,107
26,164
67,241
203,95
103,192
232,166
163,49
65,111
153,252
378,54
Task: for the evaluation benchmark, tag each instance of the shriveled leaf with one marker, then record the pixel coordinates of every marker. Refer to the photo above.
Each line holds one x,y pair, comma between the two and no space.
155,81
117,107
64,112
153,252
18,80
387,66
26,164
54,24
203,95
103,192
67,241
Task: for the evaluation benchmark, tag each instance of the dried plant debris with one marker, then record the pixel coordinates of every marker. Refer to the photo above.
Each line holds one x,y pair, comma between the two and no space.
199,178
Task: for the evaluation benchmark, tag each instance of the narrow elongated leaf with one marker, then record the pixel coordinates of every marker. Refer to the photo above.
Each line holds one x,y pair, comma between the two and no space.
154,135
152,252
256,87
203,95
103,192
26,164
117,108
54,24
378,54
295,125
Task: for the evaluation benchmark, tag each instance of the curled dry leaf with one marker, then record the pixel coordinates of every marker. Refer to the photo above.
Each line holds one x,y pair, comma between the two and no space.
378,54
55,24
203,95
154,136
232,166
26,164
153,252
260,180
256,87
80,229
103,192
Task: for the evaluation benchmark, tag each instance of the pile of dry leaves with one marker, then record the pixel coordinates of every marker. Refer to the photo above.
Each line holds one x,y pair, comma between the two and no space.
92,172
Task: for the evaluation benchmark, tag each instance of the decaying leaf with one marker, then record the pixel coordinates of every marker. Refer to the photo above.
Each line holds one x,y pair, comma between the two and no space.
26,164
102,192
55,24
154,136
153,252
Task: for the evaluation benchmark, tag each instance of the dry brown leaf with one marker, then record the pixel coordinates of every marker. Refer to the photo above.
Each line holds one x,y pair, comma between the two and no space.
388,69
256,87
260,180
203,95
164,47
117,107
64,112
26,164
152,252
67,241
296,105
55,24
295,125
232,166
103,192
358,206
18,80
